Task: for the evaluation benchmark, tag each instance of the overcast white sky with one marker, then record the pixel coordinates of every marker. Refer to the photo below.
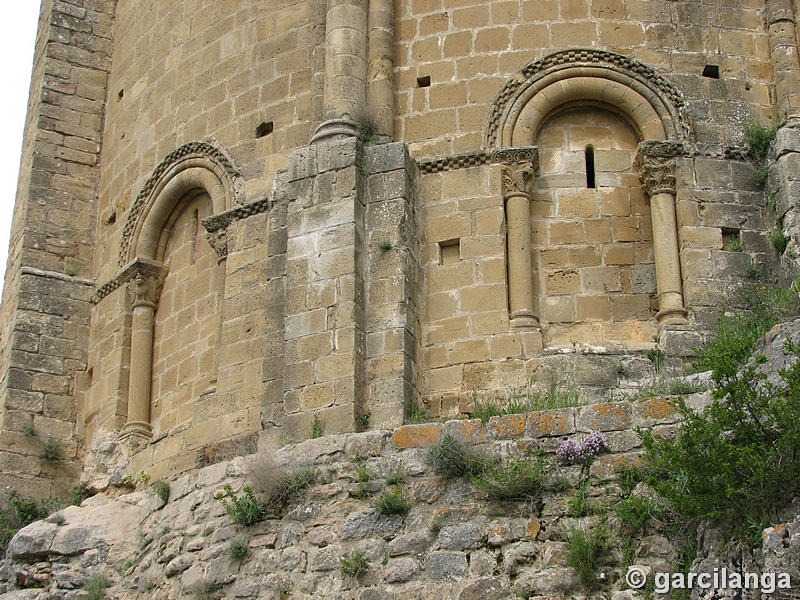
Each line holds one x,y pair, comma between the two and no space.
16,45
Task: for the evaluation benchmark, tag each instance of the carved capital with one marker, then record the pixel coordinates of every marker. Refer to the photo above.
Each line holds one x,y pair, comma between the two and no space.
519,167
218,240
145,278
656,163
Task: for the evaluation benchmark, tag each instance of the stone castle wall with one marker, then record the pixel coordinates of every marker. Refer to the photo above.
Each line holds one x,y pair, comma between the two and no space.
258,221
454,542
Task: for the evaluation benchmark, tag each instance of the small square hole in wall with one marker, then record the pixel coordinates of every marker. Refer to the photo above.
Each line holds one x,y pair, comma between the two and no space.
424,81
731,240
711,71
449,252
264,129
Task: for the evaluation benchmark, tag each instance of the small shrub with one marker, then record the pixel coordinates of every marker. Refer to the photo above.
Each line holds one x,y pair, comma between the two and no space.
29,430
452,458
354,564
393,503
79,494
162,490
760,175
778,240
362,491
635,510
144,478
580,505
584,552
384,245
51,451
622,370
736,243
737,460
395,477
758,137
416,414
317,428
363,421
753,271
27,510
363,474
289,487
58,519
519,479
243,510
656,356
629,476
96,587
239,548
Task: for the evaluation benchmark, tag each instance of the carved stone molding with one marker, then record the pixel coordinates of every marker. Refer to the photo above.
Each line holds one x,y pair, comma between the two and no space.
618,66
145,279
481,157
519,168
140,268
655,162
218,240
223,166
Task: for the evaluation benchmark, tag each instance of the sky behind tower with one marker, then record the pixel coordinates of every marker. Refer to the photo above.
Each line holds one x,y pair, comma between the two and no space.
16,44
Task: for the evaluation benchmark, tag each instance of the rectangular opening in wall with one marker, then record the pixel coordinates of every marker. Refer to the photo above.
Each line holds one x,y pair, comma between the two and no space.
731,240
711,71
424,81
449,252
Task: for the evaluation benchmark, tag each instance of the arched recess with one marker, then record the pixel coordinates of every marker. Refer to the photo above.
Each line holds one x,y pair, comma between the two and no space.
653,104
645,99
196,165
195,170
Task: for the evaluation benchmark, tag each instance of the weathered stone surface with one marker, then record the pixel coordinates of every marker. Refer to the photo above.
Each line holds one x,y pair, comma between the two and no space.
460,537
446,565
400,570
369,523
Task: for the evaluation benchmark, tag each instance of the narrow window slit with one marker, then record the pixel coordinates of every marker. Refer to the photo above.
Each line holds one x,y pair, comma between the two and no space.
590,180
424,81
196,227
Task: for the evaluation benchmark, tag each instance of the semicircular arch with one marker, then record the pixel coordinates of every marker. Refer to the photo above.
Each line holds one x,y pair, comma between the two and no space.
194,166
651,103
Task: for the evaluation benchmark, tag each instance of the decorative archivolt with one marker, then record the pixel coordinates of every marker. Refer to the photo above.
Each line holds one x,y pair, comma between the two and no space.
192,166
654,106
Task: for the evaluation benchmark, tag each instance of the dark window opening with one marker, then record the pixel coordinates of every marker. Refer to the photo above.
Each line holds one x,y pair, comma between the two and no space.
450,252
590,179
731,239
711,71
424,81
120,94
264,129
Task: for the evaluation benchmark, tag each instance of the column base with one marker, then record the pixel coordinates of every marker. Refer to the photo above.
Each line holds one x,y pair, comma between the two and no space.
524,319
672,316
335,129
136,430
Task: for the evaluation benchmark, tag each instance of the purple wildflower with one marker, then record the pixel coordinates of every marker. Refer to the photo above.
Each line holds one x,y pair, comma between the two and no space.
570,452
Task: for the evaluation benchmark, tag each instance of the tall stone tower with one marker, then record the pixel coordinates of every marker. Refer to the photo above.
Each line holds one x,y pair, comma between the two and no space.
252,220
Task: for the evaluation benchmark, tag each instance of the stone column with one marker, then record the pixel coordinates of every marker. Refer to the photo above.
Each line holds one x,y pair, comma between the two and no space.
345,96
518,168
380,90
656,163
781,26
146,280
218,240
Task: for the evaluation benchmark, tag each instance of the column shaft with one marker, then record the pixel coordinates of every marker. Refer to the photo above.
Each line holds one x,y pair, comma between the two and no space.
668,266
141,373
780,17
380,70
344,106
520,272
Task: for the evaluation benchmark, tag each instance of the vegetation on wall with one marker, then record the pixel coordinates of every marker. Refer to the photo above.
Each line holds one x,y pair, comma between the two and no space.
739,458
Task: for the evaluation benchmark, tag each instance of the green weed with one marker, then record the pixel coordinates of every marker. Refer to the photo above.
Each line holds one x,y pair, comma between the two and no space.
354,564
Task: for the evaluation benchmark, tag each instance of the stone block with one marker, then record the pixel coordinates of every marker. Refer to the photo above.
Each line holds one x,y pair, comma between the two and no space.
416,436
